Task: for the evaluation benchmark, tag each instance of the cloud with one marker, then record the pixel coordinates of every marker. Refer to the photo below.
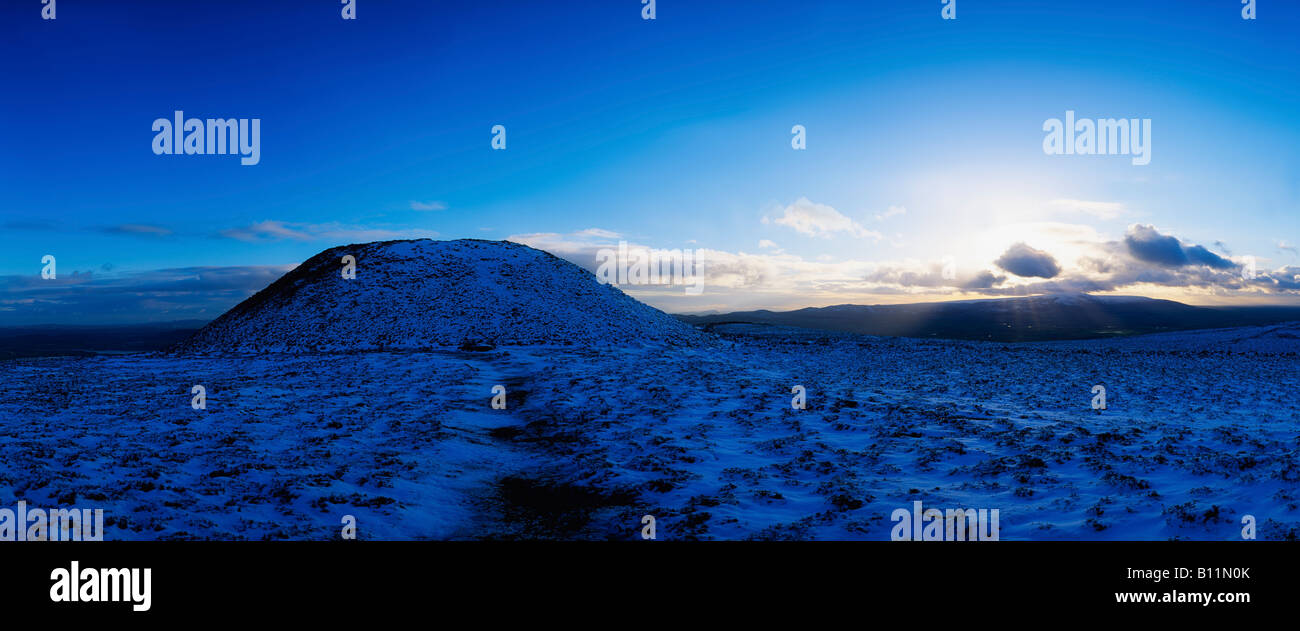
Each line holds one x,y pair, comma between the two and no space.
577,247
149,296
129,229
983,279
891,212
1197,254
1100,210
910,275
1286,247
428,205
1285,278
819,220
1022,260
264,231
766,244
771,278
145,230
767,272
1145,243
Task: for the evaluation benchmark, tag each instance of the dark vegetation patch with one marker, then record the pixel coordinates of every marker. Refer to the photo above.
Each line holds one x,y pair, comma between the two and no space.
550,509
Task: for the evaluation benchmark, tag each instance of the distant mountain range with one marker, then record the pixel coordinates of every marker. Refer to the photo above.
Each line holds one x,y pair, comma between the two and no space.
1035,318
81,340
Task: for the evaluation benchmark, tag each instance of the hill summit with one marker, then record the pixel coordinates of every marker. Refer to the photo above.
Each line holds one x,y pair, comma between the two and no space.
429,294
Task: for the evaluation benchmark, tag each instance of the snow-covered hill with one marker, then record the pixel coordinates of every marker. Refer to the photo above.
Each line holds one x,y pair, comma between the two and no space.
426,294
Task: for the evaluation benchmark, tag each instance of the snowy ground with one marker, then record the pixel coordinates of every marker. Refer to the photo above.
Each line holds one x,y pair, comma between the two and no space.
1201,428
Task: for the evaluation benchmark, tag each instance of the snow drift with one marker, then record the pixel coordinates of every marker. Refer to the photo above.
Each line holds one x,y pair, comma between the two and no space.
425,294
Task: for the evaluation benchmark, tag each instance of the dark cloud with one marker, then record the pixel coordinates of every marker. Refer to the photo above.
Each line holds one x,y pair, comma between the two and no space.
1199,255
1145,243
1022,260
1284,279
983,280
1143,257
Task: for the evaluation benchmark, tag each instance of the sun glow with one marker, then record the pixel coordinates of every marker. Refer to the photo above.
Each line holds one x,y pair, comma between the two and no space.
1068,243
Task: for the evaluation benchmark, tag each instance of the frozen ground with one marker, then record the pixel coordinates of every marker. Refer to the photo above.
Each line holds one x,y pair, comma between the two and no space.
1201,428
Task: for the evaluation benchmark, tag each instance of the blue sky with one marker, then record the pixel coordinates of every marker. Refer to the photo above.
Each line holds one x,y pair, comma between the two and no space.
924,146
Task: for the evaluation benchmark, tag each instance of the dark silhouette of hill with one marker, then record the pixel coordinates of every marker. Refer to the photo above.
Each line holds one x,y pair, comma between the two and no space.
1051,317
81,340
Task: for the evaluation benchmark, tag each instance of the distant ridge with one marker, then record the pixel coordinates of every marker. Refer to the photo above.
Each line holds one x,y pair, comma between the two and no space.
1034,318
52,340
432,294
